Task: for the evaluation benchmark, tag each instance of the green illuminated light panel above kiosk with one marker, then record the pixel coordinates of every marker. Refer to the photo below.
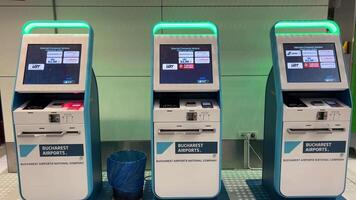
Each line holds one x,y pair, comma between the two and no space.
30,26
185,26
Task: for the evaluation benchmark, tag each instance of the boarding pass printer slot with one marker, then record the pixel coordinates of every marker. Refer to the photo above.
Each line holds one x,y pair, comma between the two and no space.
185,131
314,130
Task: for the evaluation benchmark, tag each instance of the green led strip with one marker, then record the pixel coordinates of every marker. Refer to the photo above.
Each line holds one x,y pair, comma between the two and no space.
331,26
185,25
31,25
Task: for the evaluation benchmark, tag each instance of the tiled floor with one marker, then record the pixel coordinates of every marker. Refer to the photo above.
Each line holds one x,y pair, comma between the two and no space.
240,184
350,192
2,150
3,161
8,186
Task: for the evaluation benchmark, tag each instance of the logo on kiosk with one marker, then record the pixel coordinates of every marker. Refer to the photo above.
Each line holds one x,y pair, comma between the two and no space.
170,66
35,66
310,59
295,65
186,66
293,53
311,65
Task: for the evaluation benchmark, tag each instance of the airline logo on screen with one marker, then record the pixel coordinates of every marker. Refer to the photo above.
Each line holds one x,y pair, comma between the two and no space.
295,65
59,56
293,53
170,67
311,58
187,60
35,66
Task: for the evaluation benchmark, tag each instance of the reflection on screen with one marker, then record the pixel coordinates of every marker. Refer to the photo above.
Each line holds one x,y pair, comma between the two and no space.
311,62
52,64
186,64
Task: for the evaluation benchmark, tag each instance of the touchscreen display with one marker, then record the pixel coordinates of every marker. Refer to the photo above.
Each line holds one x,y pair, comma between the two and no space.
52,64
311,62
186,64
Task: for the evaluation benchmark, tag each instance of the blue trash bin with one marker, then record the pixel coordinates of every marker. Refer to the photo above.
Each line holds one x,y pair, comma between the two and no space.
126,174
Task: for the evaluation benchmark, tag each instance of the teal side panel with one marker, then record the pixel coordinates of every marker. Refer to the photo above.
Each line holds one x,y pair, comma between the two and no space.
95,136
17,101
88,116
279,114
269,134
151,116
92,125
273,130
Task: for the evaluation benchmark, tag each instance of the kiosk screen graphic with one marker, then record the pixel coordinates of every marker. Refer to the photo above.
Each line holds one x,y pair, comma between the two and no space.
186,64
52,64
311,62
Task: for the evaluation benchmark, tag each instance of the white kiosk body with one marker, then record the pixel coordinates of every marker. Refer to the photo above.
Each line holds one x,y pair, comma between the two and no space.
56,116
186,135
308,112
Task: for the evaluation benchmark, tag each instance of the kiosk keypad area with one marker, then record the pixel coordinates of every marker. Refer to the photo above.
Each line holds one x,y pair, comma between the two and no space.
56,116
186,116
307,114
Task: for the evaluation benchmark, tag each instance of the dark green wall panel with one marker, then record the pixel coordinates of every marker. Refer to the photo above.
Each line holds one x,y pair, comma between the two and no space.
124,108
122,37
243,105
26,3
11,22
84,3
247,3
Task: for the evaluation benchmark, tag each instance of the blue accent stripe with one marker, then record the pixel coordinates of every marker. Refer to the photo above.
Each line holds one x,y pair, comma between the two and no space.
26,149
163,146
289,146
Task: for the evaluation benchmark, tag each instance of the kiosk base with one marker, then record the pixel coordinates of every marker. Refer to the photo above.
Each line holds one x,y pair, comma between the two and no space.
147,193
238,184
261,192
274,195
107,193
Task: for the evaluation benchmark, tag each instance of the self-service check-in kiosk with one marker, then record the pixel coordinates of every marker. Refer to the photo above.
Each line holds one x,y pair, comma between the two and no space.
186,112
307,114
56,114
